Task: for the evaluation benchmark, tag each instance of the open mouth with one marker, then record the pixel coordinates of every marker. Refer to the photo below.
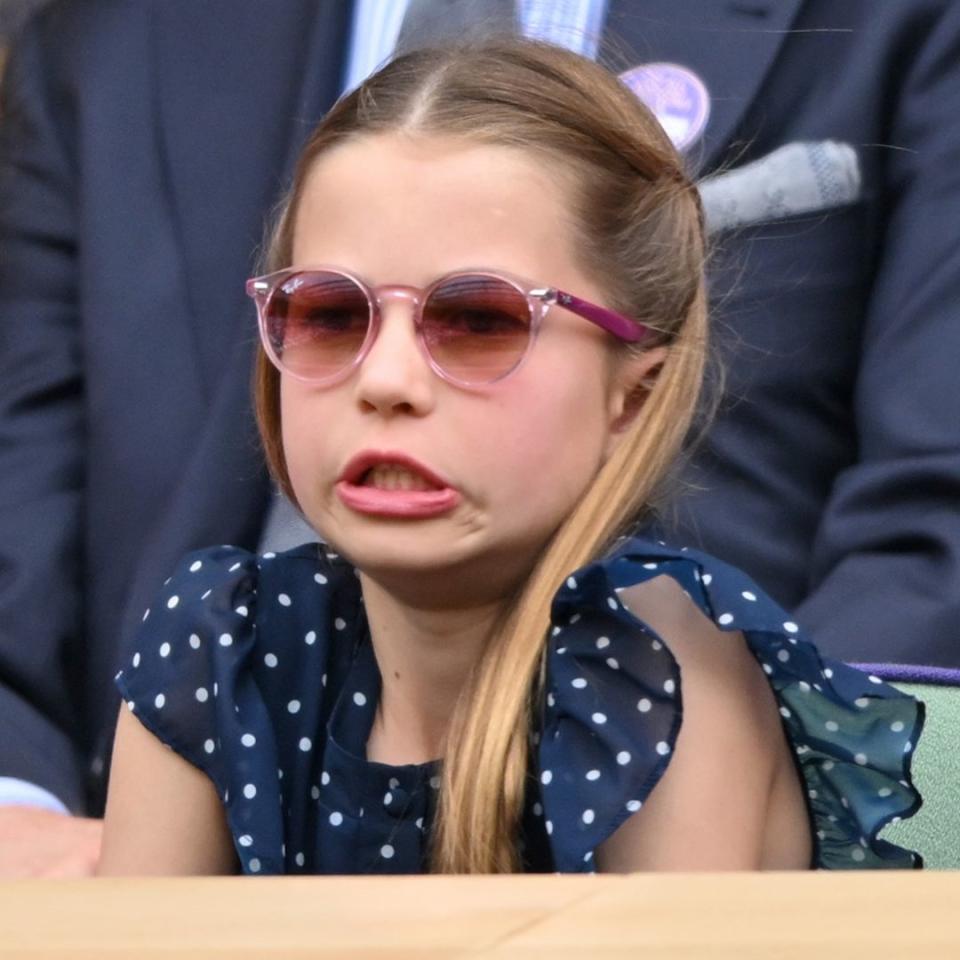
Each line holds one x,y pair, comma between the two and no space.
382,484
392,476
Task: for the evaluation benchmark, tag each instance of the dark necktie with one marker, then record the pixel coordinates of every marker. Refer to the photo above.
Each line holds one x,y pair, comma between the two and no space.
431,22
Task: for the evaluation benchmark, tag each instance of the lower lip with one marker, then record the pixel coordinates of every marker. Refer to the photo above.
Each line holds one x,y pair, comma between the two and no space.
404,504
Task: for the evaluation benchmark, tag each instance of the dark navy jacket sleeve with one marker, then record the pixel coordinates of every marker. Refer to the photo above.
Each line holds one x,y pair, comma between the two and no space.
886,561
41,431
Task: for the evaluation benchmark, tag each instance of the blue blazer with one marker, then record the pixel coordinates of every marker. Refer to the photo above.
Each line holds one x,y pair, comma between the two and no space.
141,147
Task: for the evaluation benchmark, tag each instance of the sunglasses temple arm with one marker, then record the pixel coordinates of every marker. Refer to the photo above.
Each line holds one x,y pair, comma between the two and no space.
611,321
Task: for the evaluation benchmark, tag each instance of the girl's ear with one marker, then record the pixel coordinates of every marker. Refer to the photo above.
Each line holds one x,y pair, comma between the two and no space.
634,380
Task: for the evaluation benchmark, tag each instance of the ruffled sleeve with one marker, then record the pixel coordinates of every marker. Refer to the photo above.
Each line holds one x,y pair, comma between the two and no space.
188,677
613,711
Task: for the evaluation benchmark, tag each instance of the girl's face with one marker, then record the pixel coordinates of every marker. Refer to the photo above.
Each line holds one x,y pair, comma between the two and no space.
513,457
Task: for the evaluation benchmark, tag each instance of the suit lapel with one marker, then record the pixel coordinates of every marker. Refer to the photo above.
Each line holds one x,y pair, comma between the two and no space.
238,89
731,46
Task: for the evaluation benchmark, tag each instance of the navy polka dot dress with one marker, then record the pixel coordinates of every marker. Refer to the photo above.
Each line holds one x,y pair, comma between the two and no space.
259,670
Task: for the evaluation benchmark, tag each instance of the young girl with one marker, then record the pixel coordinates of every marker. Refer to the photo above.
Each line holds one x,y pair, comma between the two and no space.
483,330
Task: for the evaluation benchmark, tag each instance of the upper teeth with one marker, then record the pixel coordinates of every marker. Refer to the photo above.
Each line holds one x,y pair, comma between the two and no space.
389,476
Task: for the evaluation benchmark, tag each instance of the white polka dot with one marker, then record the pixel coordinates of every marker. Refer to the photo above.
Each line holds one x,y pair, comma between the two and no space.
884,792
323,680
555,632
613,663
603,643
861,702
784,712
324,778
747,595
245,841
650,566
305,744
194,641
790,627
136,659
549,827
706,579
663,748
725,619
599,718
270,659
656,645
551,699
293,706
248,740
828,673
578,682
146,614
254,865
225,639
359,699
242,610
299,859
546,777
311,638
208,746
216,688
593,774
387,851
236,566
164,649
858,855
669,686
827,766
588,816
804,686
832,726
284,600
612,603
203,596
173,601
812,794
195,566
249,791
907,747
319,578
201,694
623,758
314,792
634,805
340,623
131,706
767,669
159,701
897,726
783,656
874,679
434,783
572,583
387,799
644,705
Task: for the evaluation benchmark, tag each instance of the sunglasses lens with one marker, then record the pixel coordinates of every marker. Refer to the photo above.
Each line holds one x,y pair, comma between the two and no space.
316,323
476,327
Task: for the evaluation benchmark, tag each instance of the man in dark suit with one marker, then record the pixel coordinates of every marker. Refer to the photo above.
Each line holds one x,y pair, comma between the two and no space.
142,145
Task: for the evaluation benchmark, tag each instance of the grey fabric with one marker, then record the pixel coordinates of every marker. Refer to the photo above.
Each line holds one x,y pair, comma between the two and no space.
284,527
430,22
798,178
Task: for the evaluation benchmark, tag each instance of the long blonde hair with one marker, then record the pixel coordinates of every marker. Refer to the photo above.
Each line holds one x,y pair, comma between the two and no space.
639,232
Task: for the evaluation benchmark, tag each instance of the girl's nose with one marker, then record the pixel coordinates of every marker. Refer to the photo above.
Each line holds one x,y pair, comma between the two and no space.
395,376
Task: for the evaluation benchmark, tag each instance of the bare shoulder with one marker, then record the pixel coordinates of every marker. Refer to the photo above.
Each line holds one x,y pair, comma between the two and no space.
163,816
730,788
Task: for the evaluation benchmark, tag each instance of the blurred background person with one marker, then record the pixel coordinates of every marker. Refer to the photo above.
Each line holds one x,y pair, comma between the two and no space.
139,157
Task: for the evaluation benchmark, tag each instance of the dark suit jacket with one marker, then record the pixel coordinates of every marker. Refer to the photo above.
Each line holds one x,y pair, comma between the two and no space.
143,144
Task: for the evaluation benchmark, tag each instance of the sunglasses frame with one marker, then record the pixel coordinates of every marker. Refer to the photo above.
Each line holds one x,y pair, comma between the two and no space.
539,299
